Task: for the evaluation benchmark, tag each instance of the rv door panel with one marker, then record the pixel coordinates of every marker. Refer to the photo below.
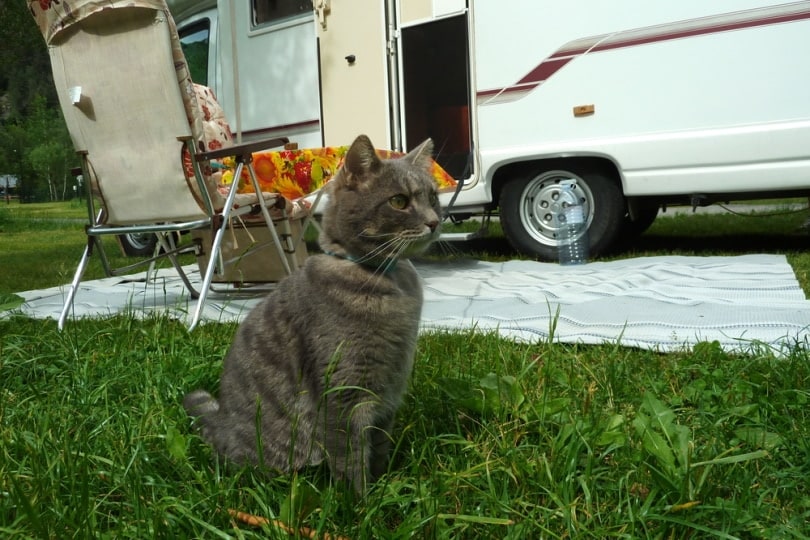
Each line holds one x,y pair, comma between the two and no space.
354,73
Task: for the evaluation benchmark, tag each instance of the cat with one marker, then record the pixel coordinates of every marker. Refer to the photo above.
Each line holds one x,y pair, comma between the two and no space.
321,365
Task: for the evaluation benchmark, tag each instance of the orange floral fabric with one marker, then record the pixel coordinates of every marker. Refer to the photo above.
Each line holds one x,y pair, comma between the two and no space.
296,173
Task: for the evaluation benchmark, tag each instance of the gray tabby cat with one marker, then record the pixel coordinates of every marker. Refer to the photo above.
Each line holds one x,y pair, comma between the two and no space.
321,364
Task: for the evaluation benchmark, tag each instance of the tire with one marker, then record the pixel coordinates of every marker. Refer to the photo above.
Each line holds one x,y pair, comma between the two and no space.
645,215
138,244
529,212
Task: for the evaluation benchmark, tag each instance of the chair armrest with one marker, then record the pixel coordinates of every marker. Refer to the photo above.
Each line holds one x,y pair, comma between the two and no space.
242,150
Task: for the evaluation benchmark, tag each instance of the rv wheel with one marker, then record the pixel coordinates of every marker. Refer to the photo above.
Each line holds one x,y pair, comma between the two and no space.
141,244
138,244
529,213
644,215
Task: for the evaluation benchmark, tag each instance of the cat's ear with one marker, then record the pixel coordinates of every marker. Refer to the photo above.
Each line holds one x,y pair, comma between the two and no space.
361,158
421,155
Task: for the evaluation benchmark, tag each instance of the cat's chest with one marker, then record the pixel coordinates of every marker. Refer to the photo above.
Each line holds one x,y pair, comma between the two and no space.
343,286
400,300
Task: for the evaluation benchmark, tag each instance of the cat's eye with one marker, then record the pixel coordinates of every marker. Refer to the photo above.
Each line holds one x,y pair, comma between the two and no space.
434,198
398,202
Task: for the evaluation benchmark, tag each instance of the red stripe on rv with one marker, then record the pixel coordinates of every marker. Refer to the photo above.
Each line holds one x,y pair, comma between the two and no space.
543,71
691,32
709,25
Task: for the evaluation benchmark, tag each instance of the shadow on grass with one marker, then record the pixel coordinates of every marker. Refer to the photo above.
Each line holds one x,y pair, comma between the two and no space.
712,234
498,248
728,244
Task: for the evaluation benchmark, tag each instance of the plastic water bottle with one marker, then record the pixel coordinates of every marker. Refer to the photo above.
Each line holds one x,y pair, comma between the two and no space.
573,230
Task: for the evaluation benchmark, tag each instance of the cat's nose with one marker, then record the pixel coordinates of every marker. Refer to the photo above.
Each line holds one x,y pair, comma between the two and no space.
432,225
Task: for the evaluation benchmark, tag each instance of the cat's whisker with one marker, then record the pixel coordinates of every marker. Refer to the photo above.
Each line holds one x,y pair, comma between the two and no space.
447,249
390,253
365,234
383,250
390,261
380,251
384,267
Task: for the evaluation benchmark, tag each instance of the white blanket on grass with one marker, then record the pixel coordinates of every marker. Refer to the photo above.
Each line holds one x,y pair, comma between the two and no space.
660,303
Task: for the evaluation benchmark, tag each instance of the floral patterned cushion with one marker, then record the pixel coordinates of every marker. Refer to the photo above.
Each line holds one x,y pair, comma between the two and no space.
297,173
215,132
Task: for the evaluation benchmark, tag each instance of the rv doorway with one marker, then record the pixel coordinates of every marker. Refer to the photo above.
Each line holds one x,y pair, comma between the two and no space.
436,88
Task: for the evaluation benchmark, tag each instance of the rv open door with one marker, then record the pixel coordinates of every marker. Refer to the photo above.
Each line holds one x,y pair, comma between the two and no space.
436,81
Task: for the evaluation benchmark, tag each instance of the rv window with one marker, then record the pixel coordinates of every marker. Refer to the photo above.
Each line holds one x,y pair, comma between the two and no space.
194,40
275,11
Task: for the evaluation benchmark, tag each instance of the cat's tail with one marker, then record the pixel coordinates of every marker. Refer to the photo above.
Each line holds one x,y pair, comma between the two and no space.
199,404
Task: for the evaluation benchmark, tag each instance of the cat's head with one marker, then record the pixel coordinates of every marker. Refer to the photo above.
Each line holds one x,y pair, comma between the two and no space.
380,210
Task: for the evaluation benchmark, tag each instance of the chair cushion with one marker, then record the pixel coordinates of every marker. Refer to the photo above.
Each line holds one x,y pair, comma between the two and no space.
297,173
215,133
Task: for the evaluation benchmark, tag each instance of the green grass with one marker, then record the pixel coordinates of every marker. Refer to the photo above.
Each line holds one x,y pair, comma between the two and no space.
41,245
496,439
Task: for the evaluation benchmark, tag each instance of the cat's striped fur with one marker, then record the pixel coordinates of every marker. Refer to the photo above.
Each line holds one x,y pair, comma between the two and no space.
321,365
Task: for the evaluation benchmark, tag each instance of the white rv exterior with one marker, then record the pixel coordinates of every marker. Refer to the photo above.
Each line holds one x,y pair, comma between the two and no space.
641,103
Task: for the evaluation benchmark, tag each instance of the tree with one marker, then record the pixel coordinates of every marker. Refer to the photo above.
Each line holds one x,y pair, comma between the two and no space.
34,145
25,68
49,151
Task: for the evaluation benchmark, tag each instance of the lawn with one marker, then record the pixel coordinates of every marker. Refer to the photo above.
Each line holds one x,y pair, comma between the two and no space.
40,245
496,439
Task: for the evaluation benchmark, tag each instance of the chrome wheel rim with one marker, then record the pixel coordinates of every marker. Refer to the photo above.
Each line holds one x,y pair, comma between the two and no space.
540,205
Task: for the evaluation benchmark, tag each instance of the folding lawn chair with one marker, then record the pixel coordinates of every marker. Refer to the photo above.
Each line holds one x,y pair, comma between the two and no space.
130,107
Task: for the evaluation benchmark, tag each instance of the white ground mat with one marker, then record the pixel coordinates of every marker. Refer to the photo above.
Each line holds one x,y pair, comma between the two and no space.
659,303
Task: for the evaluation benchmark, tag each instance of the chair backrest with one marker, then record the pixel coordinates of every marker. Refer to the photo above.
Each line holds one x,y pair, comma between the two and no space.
127,99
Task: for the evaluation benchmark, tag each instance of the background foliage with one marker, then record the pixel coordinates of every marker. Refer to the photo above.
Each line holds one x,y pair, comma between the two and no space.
34,142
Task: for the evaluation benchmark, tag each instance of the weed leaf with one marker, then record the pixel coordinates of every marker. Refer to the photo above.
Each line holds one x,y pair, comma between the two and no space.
737,458
492,394
654,444
10,301
176,443
758,437
663,438
613,435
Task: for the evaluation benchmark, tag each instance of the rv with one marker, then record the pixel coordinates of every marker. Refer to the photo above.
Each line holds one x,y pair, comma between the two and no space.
640,104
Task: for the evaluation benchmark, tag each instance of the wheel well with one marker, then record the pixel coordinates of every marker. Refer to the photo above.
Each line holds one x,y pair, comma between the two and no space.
523,168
